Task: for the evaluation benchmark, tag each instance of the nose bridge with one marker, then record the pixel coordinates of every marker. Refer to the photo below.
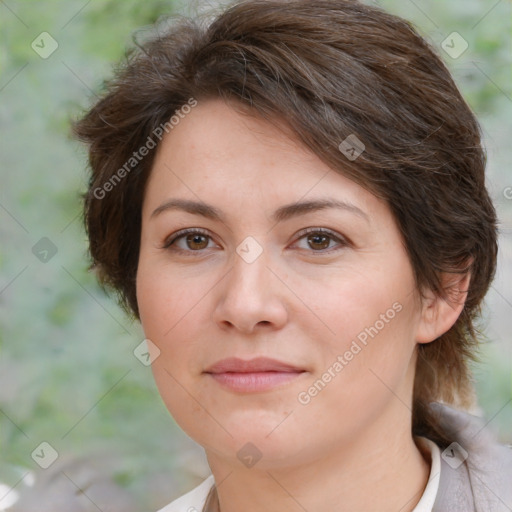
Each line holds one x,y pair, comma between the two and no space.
250,266
249,294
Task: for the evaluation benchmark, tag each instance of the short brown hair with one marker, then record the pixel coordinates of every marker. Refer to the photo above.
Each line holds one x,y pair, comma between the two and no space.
331,69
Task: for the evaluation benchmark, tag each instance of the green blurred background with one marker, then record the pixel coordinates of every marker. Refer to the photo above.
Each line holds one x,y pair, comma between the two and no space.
68,375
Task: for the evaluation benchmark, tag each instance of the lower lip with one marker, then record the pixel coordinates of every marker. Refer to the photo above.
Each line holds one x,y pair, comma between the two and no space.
254,382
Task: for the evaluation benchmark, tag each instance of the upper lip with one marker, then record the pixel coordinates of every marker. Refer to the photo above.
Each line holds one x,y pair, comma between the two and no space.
258,364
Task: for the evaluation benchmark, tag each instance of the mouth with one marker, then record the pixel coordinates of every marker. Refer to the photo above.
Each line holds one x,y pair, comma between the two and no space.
255,375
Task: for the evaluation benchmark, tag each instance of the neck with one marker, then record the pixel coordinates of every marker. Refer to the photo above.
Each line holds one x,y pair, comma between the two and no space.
381,469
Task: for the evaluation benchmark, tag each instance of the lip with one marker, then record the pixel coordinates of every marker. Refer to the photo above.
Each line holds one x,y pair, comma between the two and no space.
258,364
254,375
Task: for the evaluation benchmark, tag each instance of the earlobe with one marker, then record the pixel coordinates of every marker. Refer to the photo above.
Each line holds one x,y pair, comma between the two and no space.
439,314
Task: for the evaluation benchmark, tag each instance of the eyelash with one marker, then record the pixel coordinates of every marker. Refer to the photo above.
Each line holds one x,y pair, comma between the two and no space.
322,231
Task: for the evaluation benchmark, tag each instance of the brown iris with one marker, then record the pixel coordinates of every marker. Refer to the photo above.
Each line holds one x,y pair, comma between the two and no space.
193,239
317,237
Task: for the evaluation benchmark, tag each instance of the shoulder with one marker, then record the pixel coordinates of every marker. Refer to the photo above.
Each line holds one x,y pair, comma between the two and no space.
476,471
192,501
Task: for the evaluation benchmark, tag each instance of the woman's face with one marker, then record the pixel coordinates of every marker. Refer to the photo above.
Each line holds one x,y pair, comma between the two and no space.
339,309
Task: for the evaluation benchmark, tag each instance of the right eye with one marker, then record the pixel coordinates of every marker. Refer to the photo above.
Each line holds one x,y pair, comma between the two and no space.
192,240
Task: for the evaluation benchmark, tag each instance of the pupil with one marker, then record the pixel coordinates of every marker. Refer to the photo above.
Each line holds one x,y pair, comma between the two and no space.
196,239
319,237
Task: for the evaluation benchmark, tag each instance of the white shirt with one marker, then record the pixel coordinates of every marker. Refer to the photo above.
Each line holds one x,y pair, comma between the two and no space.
426,503
194,500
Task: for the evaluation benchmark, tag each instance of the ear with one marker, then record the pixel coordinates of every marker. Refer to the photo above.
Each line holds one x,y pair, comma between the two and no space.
439,314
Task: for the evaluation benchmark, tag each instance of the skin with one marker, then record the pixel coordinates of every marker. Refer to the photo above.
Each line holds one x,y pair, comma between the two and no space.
302,301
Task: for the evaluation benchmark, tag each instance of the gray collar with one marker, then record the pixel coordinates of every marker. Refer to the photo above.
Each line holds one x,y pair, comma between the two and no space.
476,471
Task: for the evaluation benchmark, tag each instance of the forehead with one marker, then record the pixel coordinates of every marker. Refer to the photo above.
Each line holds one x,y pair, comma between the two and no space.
217,154
216,131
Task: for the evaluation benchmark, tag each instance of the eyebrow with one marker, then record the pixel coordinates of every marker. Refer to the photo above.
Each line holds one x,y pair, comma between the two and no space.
281,214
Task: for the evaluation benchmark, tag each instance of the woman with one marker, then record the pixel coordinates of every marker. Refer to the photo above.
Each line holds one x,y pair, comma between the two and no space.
290,198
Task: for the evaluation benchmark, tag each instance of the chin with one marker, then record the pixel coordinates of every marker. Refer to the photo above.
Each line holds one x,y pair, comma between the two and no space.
257,451
272,444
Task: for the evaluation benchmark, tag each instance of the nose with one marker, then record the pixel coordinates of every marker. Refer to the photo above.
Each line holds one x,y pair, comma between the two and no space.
251,296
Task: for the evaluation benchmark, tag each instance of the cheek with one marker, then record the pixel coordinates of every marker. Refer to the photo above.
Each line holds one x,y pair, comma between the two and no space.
165,301
365,369
173,311
169,316
351,301
370,320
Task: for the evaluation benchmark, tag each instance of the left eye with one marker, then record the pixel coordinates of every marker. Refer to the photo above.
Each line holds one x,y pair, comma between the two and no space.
320,240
